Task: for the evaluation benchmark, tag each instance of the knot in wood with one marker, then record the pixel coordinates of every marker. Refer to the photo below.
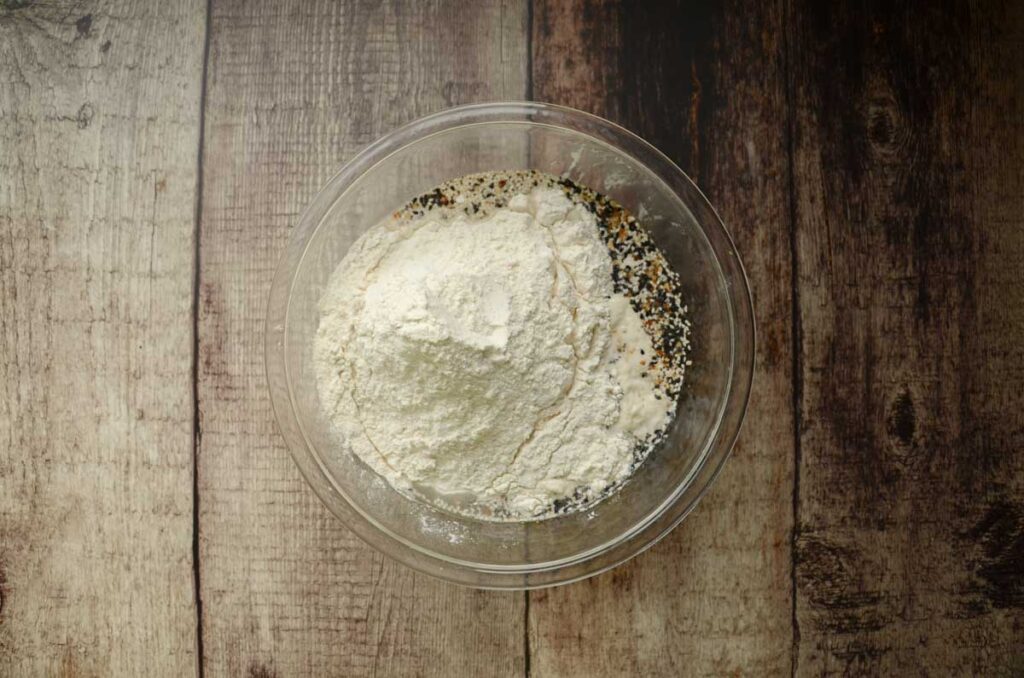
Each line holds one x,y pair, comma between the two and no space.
885,126
901,423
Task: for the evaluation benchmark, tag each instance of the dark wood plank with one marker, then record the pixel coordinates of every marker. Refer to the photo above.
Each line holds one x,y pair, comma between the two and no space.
909,150
705,84
99,135
295,89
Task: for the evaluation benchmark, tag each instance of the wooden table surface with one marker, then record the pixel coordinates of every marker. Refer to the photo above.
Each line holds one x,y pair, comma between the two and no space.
868,157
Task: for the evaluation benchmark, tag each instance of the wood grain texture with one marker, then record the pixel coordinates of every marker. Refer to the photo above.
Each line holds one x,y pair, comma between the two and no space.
909,150
99,135
294,90
706,85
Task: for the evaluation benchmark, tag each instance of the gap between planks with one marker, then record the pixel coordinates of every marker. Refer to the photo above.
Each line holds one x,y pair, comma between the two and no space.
196,430
796,328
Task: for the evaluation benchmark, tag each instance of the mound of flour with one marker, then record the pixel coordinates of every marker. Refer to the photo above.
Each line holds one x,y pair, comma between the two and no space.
486,356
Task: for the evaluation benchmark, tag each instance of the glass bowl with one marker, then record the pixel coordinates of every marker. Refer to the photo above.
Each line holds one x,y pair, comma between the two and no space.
591,151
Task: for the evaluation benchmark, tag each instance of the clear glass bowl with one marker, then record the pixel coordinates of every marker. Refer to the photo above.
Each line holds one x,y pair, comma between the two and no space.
591,151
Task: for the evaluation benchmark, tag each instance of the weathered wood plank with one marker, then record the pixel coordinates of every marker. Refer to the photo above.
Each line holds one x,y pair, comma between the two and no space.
706,85
295,89
99,134
909,150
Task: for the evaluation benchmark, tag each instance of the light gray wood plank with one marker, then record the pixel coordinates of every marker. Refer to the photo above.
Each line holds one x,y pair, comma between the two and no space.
99,136
295,89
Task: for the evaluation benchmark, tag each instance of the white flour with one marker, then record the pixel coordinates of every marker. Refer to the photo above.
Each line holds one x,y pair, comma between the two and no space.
487,357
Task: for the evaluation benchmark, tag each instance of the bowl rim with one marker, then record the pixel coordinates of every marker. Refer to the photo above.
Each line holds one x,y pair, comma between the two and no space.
658,522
